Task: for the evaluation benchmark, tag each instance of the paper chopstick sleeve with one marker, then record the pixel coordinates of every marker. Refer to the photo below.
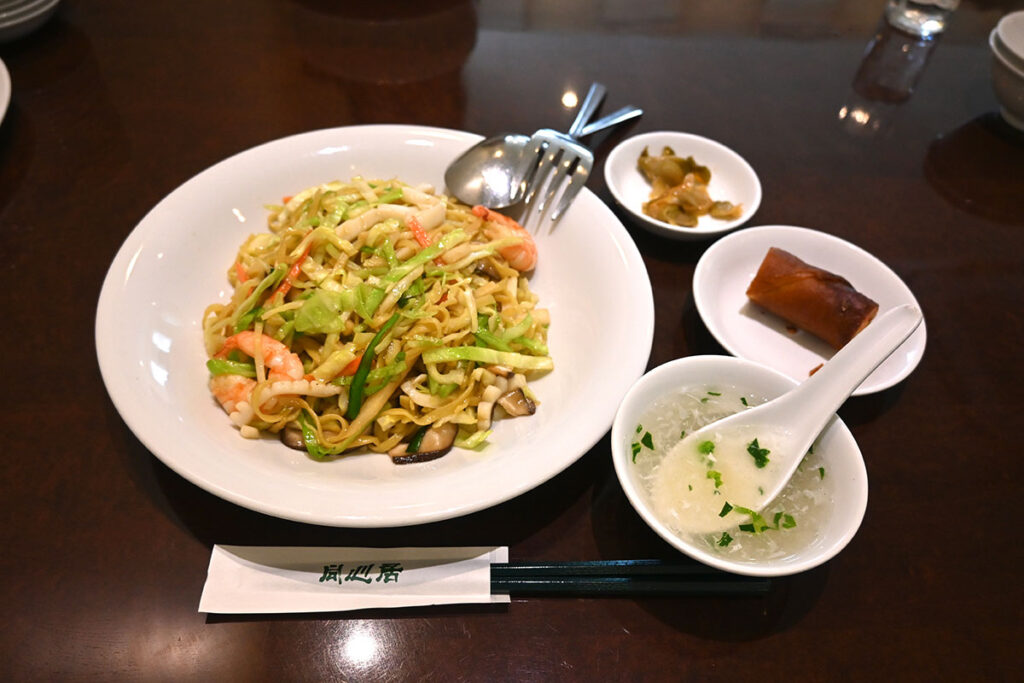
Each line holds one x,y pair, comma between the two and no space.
814,300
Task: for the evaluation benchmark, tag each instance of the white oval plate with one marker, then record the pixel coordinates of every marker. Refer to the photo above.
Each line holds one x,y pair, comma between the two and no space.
732,179
149,339
725,270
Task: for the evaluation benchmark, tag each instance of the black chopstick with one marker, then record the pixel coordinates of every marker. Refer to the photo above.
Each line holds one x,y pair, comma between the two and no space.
621,578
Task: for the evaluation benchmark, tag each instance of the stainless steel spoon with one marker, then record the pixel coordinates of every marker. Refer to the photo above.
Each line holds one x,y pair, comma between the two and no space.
487,172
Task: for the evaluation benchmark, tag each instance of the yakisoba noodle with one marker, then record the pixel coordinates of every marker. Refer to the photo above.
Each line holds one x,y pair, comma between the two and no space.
374,315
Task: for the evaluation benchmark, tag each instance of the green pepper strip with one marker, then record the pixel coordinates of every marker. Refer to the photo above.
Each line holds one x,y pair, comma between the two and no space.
355,396
417,440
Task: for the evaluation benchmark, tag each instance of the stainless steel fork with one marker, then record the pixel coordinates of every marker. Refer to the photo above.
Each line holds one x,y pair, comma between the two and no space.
560,156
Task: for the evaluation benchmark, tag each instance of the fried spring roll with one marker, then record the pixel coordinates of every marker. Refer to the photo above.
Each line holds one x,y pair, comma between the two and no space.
812,299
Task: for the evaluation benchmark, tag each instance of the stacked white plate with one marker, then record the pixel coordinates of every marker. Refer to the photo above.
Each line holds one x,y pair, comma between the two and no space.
20,17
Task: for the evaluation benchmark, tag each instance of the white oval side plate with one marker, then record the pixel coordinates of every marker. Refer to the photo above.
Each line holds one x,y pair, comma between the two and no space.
725,270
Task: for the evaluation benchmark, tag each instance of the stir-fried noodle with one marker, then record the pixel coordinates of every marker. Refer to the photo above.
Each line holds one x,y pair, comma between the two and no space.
374,315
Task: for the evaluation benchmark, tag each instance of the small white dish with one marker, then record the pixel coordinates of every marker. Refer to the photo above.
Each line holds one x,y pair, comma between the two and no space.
725,270
843,464
732,179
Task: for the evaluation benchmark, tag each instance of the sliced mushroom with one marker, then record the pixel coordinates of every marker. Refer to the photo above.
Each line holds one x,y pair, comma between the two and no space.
516,403
487,270
437,441
291,436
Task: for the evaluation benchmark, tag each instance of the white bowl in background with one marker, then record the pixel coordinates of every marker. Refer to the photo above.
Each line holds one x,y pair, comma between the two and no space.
1007,83
836,446
1009,37
732,179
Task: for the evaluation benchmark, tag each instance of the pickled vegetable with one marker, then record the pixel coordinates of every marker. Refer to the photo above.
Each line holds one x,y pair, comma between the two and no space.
679,190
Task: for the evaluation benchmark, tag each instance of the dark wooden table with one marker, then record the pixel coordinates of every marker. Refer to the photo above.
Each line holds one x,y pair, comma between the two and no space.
116,103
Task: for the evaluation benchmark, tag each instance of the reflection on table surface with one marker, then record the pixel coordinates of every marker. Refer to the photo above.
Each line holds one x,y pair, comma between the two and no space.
114,105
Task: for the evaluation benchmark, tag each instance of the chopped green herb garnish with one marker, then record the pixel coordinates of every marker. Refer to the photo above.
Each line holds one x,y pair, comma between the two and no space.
639,428
706,447
704,400
725,540
647,440
682,434
726,509
788,522
714,393
743,400
689,486
757,522
635,447
717,476
821,472
760,455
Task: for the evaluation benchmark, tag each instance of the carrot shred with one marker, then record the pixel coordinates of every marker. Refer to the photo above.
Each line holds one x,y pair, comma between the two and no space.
293,273
352,367
417,231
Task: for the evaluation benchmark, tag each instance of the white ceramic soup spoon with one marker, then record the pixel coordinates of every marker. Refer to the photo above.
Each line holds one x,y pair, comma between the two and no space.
717,476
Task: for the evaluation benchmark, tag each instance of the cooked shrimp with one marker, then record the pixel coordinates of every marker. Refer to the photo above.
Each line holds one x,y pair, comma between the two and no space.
280,362
234,392
523,255
231,391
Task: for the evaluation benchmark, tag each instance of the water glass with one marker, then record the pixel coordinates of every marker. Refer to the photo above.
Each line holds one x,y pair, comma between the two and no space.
924,18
